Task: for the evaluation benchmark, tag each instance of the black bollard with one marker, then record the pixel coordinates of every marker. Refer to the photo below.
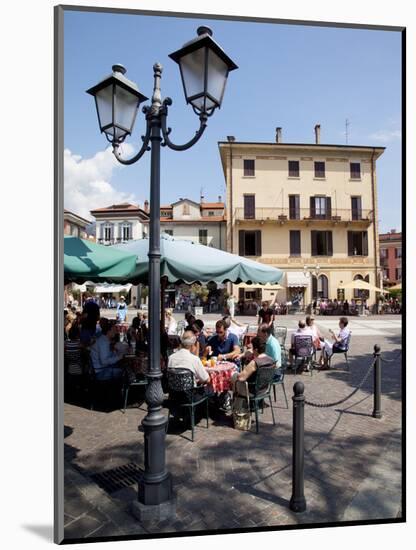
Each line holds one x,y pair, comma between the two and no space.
377,383
297,501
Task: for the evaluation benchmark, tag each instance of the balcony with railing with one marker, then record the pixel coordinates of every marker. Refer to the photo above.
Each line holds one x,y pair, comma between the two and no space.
114,240
305,216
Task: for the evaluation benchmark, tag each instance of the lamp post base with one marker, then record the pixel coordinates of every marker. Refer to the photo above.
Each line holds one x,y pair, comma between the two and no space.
155,512
297,504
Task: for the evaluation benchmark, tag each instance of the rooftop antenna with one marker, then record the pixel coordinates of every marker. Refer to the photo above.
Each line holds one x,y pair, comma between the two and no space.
347,124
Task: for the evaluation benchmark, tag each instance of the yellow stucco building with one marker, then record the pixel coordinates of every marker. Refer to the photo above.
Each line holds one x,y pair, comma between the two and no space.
309,209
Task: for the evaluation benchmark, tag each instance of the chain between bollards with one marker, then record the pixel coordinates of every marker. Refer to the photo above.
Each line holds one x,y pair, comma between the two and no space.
377,382
297,501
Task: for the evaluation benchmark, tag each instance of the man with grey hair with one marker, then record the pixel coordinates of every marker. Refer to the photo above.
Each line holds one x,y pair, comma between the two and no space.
185,358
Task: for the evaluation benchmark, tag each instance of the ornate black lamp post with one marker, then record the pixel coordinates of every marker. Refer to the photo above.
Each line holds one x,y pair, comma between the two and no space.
204,69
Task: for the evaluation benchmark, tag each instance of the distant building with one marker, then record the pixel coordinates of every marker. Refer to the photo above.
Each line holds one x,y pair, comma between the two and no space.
391,257
120,222
303,208
75,225
203,222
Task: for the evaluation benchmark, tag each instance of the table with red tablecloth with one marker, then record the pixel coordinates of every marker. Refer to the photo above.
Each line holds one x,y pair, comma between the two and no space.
220,376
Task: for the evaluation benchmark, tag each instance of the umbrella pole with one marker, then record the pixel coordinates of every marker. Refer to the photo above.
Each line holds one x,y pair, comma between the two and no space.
163,285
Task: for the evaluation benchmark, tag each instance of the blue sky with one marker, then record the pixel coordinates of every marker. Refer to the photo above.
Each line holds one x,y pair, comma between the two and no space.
289,76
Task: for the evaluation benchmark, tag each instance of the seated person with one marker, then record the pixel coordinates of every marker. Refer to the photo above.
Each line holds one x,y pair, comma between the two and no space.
340,343
106,363
316,335
302,330
273,348
186,358
201,342
260,360
223,344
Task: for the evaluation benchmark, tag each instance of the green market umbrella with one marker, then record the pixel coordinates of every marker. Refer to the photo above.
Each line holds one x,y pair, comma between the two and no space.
189,262
87,261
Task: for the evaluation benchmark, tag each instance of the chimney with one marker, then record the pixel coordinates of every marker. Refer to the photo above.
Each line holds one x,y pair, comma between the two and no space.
219,198
317,134
146,206
392,231
278,135
230,138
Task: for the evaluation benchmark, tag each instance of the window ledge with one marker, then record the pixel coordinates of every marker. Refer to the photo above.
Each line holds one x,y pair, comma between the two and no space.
248,177
293,177
319,179
355,179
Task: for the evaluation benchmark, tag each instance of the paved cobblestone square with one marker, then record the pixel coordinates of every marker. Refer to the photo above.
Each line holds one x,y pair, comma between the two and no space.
229,479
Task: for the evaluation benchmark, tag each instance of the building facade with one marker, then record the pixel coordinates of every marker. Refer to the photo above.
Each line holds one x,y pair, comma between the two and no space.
202,222
308,209
75,225
391,257
120,223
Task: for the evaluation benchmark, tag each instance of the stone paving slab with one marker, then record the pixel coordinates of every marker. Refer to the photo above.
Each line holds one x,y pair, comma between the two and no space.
230,479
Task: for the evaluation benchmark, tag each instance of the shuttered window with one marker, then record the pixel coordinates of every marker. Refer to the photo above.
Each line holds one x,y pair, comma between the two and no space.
319,169
320,208
249,207
356,210
321,243
294,238
294,207
249,243
249,167
355,170
357,243
293,166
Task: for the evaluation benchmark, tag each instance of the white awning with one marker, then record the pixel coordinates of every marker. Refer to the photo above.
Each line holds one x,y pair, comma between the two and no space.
267,286
296,278
100,289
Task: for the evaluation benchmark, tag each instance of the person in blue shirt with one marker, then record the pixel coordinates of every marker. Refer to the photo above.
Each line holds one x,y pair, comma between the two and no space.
121,310
223,344
273,348
106,363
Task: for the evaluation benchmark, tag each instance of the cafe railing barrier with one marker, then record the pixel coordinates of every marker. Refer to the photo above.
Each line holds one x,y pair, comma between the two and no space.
297,501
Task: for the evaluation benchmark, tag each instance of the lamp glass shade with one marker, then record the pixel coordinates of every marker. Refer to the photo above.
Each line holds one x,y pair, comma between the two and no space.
125,108
216,77
193,75
104,101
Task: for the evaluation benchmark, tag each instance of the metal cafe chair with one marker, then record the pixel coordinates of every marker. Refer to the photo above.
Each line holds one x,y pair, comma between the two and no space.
261,390
303,351
344,351
182,395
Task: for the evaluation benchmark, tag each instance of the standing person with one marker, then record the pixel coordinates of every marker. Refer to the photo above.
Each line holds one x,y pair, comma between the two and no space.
231,306
266,315
171,324
121,310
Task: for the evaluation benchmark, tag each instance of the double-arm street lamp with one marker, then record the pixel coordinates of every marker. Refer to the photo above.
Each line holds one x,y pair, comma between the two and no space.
204,68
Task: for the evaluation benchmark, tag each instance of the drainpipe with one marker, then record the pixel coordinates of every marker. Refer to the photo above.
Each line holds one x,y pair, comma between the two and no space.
373,194
231,205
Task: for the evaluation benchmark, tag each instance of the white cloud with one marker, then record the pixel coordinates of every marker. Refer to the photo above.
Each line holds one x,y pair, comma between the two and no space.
386,135
87,182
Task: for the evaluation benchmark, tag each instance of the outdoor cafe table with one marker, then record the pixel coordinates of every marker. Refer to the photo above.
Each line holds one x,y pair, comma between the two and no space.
220,376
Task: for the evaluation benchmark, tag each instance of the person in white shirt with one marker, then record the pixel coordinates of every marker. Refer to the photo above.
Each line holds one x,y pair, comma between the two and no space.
185,358
340,343
234,327
171,324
